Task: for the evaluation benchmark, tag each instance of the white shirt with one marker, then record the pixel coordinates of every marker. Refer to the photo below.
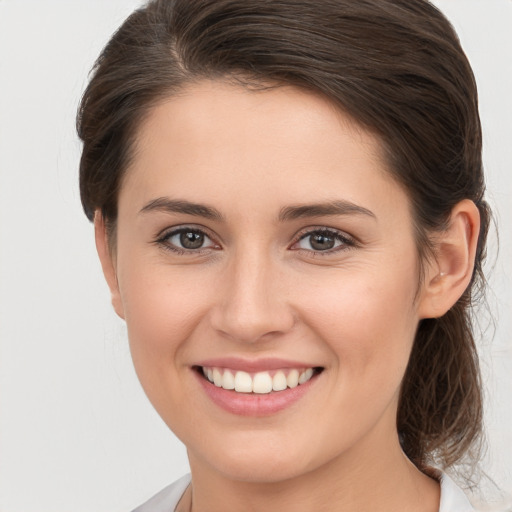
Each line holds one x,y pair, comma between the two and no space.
453,498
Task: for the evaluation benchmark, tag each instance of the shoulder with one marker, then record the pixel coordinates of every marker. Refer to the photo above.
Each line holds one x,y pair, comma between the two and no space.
167,499
453,498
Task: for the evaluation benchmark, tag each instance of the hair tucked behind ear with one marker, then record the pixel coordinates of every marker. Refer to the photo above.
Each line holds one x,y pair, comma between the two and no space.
440,410
397,68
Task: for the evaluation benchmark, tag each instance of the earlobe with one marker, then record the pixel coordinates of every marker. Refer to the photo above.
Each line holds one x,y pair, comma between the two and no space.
107,262
450,272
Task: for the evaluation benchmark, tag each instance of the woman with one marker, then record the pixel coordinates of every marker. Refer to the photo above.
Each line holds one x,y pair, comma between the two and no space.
288,205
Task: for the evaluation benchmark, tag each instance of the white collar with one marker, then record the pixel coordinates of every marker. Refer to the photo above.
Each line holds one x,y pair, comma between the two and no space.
453,498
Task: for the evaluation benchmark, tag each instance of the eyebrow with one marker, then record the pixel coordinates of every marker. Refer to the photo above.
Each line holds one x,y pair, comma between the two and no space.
323,209
288,213
167,205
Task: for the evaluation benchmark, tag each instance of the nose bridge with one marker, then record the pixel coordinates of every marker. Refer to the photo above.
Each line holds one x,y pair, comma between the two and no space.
252,302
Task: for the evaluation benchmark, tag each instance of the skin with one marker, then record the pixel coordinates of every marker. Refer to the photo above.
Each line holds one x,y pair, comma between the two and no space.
258,289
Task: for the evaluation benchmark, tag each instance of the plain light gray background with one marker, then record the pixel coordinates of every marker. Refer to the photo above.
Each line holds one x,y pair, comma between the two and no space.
76,432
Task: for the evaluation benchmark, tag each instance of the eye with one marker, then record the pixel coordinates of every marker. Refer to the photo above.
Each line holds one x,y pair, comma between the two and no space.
323,240
186,240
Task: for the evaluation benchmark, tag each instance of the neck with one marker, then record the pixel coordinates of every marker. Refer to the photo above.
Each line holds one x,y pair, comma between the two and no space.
374,476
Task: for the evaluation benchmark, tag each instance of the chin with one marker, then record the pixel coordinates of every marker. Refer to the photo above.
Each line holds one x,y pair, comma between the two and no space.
257,457
262,469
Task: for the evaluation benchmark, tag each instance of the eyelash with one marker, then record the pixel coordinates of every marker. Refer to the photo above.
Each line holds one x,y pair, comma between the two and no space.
344,241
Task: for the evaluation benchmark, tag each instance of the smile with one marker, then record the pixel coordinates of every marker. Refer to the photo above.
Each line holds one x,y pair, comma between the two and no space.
256,388
262,382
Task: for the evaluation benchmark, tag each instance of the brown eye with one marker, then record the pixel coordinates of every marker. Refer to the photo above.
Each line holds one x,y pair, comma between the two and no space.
191,240
187,239
321,242
324,240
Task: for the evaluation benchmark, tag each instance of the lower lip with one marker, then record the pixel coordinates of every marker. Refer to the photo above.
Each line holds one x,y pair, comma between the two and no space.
255,404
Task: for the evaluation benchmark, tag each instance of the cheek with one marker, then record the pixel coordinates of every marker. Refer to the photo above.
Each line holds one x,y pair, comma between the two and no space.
369,322
369,326
163,306
162,311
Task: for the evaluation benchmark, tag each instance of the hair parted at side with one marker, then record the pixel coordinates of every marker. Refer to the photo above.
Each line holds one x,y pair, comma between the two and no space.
397,68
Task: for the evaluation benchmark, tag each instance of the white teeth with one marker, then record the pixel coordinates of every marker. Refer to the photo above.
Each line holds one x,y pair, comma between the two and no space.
217,378
305,375
293,379
243,382
260,383
279,381
228,381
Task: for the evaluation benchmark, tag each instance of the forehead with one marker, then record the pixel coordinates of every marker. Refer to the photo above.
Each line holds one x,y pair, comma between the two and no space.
223,109
215,136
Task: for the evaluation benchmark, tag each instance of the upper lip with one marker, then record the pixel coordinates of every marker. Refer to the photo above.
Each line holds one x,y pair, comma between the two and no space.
253,365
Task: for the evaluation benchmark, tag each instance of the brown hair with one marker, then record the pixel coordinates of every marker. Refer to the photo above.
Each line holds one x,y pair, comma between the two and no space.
394,66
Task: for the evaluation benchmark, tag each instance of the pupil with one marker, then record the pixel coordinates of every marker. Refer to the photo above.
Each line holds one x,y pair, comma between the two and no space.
191,240
322,242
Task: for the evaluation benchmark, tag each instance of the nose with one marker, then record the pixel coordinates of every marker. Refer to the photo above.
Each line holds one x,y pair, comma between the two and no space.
251,301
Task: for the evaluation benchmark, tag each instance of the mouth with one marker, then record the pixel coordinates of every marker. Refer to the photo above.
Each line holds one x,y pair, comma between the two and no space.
257,383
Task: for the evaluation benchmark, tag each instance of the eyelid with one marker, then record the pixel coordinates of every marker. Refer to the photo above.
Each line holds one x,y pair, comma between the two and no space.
325,229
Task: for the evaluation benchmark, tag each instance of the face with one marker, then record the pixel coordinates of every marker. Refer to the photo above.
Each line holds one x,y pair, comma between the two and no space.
261,242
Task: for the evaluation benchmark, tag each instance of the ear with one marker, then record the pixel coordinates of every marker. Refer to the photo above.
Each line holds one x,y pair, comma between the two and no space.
107,259
448,276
